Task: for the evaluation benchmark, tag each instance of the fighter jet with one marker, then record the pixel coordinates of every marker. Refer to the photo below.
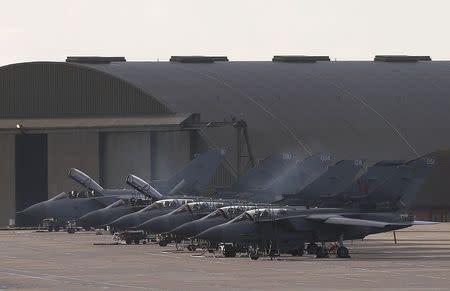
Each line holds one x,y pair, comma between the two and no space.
289,228
267,169
71,206
300,173
217,217
293,180
194,178
188,212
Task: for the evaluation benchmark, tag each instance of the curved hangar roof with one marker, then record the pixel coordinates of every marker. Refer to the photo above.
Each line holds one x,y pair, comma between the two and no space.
374,110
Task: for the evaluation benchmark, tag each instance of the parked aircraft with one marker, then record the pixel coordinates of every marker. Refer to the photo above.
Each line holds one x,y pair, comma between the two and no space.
289,228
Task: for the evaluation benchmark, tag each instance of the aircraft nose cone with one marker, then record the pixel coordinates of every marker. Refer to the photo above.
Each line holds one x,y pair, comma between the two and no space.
186,230
36,211
88,220
31,216
214,234
155,225
124,222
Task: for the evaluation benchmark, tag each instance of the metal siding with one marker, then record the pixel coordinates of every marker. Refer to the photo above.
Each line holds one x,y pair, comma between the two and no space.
75,149
122,154
33,90
7,179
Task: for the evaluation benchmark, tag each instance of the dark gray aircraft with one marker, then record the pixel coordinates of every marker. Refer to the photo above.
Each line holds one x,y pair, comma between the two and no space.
294,180
71,206
357,192
155,209
267,169
188,212
289,228
310,167
194,178
217,217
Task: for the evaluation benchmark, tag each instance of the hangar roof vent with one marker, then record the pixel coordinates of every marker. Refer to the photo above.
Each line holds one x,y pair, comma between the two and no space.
400,58
94,59
300,59
198,59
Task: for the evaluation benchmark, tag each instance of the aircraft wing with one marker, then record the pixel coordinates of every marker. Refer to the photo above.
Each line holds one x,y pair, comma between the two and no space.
346,221
341,220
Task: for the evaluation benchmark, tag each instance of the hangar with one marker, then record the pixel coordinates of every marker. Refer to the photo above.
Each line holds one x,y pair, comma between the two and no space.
111,117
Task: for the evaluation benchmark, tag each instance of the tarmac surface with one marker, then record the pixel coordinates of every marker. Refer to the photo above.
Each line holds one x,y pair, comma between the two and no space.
31,260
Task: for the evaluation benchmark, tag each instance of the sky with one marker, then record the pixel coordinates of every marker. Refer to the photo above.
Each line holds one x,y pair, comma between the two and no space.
50,30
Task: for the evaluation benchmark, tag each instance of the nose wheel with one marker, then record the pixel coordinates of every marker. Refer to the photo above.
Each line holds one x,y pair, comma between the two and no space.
311,249
322,252
342,252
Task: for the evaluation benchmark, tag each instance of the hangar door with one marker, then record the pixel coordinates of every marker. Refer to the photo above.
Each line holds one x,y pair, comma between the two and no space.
123,153
31,169
171,151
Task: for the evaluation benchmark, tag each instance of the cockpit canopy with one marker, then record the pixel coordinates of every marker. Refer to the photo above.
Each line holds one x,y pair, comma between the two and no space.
166,203
228,212
264,213
201,206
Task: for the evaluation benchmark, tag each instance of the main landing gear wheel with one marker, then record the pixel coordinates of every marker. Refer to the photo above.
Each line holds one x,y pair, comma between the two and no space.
163,243
254,255
191,248
322,252
342,252
312,248
229,251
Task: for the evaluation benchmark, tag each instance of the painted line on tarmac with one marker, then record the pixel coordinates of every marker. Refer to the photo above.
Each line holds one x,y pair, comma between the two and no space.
37,275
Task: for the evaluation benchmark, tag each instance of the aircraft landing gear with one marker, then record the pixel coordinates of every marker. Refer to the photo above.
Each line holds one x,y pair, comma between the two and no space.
312,248
191,248
342,251
163,243
253,253
229,251
322,251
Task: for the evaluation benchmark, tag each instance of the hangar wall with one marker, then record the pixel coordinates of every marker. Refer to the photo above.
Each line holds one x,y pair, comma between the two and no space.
7,178
75,149
124,153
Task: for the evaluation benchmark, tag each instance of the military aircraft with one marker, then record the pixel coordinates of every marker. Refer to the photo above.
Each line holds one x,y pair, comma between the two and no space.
295,179
267,169
193,178
71,206
190,213
289,228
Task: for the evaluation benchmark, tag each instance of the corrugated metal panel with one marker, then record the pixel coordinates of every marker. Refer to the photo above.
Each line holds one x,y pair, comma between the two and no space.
31,90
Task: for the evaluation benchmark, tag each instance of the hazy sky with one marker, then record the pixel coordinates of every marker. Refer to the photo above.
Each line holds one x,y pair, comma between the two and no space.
243,30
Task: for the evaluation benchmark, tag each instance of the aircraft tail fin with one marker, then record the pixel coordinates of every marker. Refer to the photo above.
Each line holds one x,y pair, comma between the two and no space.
413,177
332,182
143,187
83,179
371,179
265,173
301,175
194,178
